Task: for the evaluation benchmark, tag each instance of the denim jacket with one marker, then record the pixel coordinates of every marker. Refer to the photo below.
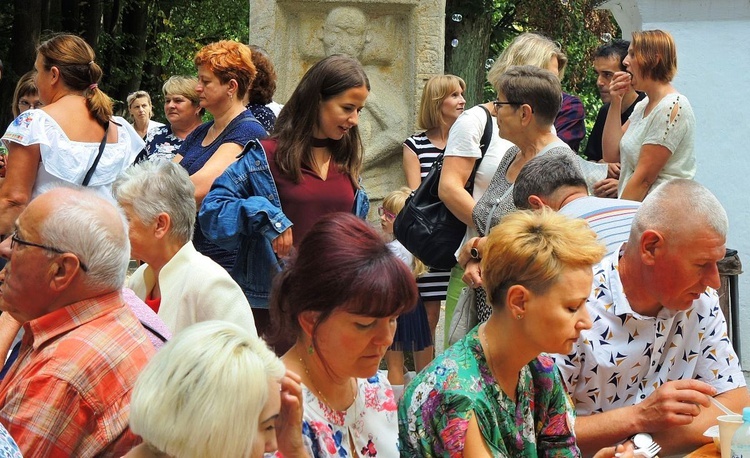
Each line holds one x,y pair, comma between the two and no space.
243,208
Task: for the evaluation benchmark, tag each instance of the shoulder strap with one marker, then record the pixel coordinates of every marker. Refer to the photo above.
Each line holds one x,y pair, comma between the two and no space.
91,170
484,144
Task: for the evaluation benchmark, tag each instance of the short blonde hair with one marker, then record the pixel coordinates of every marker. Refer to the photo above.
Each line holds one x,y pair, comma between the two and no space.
203,392
394,202
182,85
528,49
437,89
532,249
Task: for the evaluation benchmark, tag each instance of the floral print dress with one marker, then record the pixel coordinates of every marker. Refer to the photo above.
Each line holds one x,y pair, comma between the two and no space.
369,423
437,405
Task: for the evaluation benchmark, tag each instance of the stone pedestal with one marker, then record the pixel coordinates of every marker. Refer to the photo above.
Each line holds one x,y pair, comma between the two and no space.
713,45
400,45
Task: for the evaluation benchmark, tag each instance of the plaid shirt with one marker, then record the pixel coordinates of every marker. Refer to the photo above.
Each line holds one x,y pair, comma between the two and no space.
569,122
68,394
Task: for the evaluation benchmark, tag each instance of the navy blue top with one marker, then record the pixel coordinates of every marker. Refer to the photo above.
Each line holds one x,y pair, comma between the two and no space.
264,115
240,130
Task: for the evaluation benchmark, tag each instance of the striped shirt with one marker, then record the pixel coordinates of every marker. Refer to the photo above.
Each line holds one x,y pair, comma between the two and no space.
68,394
609,218
425,151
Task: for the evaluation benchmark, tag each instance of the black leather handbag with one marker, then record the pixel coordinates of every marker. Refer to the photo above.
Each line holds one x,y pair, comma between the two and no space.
425,226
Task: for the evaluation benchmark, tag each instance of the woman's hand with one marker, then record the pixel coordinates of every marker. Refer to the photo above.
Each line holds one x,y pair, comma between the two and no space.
620,85
289,421
283,243
473,274
621,451
613,170
606,188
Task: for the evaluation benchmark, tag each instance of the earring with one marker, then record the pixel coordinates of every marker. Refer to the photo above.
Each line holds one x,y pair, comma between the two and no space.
310,350
519,316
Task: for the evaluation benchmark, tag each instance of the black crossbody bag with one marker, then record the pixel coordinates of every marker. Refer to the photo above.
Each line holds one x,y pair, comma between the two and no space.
425,226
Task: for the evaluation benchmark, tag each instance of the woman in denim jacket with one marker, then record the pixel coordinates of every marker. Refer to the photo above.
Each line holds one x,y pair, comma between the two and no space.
266,201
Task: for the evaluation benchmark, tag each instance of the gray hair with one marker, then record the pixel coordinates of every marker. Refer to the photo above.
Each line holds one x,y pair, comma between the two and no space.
154,187
545,174
534,86
677,206
82,224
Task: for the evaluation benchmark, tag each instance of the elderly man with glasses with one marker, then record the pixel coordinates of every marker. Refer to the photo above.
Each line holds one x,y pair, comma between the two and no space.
68,392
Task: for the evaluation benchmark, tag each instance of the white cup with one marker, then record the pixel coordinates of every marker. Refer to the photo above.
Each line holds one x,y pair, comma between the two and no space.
728,424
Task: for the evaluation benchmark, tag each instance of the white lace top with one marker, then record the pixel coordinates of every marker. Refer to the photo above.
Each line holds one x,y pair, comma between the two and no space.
68,161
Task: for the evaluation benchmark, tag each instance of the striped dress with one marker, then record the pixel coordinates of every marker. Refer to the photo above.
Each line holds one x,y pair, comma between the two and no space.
434,284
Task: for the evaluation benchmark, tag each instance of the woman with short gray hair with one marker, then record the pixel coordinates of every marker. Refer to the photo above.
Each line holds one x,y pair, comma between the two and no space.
180,284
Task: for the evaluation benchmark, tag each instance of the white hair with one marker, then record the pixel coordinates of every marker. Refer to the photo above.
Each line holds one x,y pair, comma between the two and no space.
81,224
155,187
677,206
203,392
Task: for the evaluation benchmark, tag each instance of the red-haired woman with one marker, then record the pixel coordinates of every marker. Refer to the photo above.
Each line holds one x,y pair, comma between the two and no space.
225,74
656,143
339,298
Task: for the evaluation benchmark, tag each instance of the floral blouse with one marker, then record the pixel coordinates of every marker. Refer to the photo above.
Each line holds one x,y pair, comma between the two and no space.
437,405
369,423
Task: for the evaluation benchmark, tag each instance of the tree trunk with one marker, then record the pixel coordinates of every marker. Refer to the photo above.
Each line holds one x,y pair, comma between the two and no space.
93,23
471,36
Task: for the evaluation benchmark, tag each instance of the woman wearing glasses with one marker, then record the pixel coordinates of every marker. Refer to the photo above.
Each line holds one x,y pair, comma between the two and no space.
73,138
26,96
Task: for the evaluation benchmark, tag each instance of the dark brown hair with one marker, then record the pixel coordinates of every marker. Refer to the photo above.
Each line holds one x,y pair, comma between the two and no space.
294,127
264,84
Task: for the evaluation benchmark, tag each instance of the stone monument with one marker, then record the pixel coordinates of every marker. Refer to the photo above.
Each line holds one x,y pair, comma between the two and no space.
398,42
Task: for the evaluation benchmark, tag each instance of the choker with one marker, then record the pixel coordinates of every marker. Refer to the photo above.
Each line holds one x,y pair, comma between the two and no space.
322,143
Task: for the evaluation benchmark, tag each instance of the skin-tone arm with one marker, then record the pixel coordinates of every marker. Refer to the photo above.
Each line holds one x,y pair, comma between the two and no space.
613,127
289,421
650,163
456,172
9,327
675,404
412,168
221,159
16,188
475,446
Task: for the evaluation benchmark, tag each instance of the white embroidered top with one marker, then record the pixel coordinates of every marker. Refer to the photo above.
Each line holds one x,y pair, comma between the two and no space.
68,161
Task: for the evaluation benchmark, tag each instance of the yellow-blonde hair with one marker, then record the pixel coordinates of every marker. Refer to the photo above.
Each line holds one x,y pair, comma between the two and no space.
437,89
528,49
532,249
394,202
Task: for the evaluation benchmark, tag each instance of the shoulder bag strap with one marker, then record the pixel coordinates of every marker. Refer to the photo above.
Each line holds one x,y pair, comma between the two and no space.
484,145
91,170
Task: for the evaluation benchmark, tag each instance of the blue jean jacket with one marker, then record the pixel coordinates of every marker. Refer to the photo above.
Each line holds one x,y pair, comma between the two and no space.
243,208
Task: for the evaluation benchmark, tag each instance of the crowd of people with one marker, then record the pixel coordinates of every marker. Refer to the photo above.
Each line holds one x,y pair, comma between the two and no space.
265,304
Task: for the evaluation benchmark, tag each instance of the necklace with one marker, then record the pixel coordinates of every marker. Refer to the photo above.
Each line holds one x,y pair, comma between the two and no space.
320,393
322,143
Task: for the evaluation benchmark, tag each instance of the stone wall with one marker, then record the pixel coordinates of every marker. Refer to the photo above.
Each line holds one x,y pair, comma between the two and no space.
400,45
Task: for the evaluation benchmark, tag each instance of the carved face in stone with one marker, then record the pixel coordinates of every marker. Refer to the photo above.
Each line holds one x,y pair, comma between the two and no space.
345,32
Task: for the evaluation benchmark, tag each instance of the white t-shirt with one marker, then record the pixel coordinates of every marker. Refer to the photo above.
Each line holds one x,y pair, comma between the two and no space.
677,134
463,141
63,159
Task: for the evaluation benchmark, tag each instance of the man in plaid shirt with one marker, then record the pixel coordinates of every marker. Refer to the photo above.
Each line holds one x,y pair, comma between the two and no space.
68,393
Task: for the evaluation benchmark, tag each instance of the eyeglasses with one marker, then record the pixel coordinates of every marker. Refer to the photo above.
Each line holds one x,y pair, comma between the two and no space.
382,211
23,104
14,240
499,104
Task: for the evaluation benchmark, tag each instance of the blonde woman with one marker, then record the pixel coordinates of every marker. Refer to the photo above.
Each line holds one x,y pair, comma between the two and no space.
215,390
442,103
141,111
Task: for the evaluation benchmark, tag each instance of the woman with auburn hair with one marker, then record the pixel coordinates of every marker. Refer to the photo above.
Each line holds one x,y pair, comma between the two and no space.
269,199
215,390
183,110
339,299
487,395
442,103
73,138
656,143
141,111
26,96
264,86
225,74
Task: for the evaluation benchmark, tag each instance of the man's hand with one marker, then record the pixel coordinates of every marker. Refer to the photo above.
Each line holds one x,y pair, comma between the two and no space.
675,403
606,188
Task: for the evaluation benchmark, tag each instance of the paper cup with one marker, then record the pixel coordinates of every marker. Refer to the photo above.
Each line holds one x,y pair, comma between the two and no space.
728,424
